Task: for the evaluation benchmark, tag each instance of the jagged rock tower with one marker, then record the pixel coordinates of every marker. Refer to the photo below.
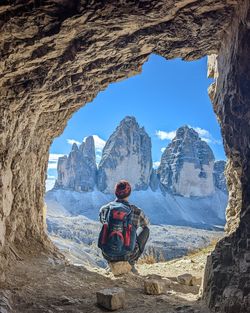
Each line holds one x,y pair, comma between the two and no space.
78,171
187,165
126,155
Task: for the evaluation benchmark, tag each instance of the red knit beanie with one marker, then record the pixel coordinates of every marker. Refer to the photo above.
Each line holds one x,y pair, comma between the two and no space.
122,189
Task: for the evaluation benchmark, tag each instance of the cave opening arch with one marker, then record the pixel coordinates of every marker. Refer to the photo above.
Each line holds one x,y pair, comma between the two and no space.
78,181
53,70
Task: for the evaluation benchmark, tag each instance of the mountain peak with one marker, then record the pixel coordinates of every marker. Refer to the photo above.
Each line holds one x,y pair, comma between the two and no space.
126,155
129,118
128,121
74,147
187,165
186,131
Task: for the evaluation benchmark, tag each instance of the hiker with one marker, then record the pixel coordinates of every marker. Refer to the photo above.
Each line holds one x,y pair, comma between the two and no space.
118,239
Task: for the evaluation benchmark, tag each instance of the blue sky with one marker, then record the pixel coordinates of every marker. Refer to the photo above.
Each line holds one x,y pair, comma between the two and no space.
165,96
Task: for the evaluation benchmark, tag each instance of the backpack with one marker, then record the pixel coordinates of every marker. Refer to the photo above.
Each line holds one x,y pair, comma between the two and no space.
117,238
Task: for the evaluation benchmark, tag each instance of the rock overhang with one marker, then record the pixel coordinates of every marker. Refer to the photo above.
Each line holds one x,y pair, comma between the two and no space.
57,55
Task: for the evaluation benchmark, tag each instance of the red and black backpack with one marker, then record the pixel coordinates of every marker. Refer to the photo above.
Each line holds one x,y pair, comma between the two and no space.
118,235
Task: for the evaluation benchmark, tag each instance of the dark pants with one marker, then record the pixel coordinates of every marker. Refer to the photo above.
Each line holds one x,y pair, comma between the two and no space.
141,241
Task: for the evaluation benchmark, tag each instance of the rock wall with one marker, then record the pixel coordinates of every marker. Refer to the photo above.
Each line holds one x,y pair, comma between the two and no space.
78,171
126,155
57,55
219,175
227,277
187,165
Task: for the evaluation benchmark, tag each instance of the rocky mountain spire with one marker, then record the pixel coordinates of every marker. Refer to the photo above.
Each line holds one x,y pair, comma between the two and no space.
187,164
126,155
78,171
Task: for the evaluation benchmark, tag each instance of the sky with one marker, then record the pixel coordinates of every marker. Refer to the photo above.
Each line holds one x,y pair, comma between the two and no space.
165,96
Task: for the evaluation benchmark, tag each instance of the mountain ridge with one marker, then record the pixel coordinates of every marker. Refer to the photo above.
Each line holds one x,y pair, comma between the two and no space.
188,188
127,155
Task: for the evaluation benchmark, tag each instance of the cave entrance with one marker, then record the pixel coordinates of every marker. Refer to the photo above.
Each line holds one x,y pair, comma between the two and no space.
61,57
161,120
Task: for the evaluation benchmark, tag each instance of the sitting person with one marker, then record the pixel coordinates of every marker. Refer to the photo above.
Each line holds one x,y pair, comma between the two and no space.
118,239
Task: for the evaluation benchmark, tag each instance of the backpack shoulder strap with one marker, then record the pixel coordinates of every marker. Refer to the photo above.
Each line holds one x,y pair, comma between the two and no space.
115,204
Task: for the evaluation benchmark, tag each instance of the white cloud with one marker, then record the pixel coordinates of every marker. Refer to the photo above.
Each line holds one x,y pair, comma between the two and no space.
52,165
156,164
163,135
53,159
203,133
72,141
206,136
50,182
163,149
51,177
99,142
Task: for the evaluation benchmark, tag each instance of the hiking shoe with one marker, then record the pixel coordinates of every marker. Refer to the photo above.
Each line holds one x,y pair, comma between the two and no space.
134,270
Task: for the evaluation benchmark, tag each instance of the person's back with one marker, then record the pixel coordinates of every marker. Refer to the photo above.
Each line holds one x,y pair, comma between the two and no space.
117,218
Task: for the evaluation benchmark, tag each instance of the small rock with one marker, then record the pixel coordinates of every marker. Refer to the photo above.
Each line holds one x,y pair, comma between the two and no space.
154,287
168,282
111,298
185,279
120,268
196,281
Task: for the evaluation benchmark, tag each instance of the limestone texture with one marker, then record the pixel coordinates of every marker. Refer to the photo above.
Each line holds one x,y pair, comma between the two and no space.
154,286
219,175
78,171
126,155
111,299
58,55
185,279
227,276
119,268
187,165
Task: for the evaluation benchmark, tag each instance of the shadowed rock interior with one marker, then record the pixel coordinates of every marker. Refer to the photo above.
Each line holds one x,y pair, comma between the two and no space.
57,55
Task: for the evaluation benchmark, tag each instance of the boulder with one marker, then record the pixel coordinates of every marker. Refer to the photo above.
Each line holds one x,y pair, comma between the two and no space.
196,281
154,286
185,279
189,280
111,298
120,268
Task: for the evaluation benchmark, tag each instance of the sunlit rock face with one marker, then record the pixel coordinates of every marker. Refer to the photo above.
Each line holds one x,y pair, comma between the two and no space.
187,164
78,171
227,275
57,55
126,155
219,175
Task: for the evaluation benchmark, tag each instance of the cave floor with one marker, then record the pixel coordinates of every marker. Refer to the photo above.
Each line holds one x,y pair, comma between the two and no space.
46,284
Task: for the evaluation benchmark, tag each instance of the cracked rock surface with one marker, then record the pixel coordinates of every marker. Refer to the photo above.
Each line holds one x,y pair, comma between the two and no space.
57,55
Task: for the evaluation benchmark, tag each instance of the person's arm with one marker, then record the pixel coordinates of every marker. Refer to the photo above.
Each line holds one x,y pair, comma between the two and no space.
143,220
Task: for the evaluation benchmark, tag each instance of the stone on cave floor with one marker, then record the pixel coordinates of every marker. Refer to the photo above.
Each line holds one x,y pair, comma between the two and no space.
188,279
111,298
154,286
120,268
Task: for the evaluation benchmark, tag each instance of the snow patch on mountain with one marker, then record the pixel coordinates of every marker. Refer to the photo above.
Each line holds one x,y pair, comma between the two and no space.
161,209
